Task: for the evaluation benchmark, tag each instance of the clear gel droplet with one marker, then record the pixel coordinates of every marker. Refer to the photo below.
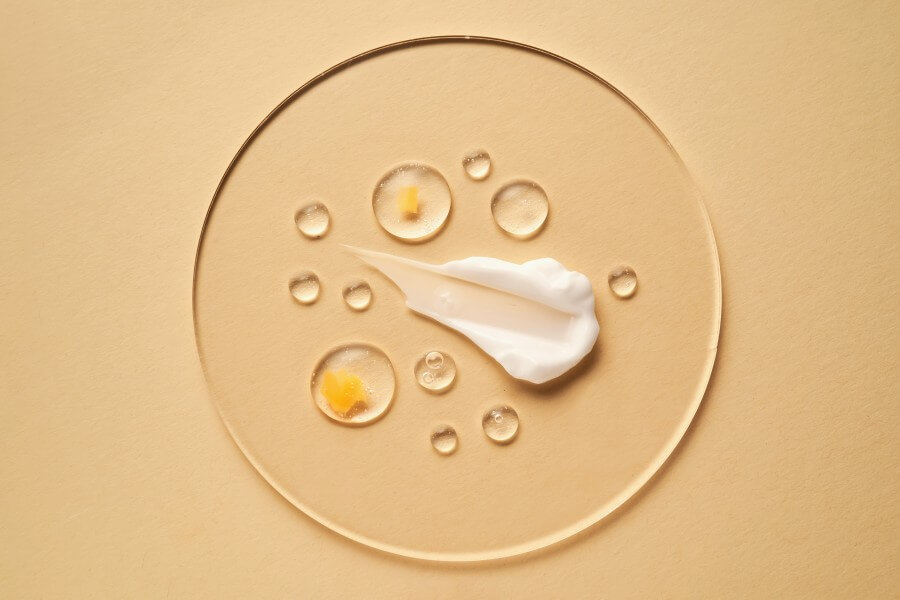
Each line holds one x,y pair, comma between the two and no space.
305,287
520,208
436,371
501,424
358,295
444,440
412,202
623,281
353,384
313,220
477,164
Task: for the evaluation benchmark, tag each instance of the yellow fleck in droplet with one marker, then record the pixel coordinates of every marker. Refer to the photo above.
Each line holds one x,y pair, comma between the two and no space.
408,200
343,390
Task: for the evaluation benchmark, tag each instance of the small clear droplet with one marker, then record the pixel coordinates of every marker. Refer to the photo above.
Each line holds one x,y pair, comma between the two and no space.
313,220
501,424
520,208
436,371
305,287
361,377
412,202
477,164
358,295
623,281
444,440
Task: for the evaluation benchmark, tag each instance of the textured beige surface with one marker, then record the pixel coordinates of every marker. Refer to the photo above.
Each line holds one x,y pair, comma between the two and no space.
119,479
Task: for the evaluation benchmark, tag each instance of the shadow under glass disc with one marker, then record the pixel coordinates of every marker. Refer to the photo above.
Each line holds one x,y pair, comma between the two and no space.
618,197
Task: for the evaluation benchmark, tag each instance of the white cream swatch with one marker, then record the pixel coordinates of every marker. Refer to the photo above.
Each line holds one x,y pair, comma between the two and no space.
536,319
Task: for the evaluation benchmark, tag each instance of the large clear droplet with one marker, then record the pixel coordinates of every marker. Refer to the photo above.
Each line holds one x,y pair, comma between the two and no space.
520,208
501,424
305,287
353,384
412,202
313,220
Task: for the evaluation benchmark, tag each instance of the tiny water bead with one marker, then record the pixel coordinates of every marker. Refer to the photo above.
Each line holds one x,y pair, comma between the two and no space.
313,220
444,440
623,281
501,424
477,164
412,202
305,287
520,208
353,384
436,371
358,295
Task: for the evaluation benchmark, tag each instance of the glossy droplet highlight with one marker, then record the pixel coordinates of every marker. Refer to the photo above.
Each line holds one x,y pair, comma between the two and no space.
501,424
520,208
436,371
623,281
358,295
477,164
444,440
434,360
305,287
412,202
353,384
313,220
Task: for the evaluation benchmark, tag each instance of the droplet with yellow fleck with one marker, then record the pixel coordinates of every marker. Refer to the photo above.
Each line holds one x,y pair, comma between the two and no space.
343,390
408,200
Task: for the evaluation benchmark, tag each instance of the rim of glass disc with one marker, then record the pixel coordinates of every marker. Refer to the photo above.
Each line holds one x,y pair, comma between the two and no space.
606,509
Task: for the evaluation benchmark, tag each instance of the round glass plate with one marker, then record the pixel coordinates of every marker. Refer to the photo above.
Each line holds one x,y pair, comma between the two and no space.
618,195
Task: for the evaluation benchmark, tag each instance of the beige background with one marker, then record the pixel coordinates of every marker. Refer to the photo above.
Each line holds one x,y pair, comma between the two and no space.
119,479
